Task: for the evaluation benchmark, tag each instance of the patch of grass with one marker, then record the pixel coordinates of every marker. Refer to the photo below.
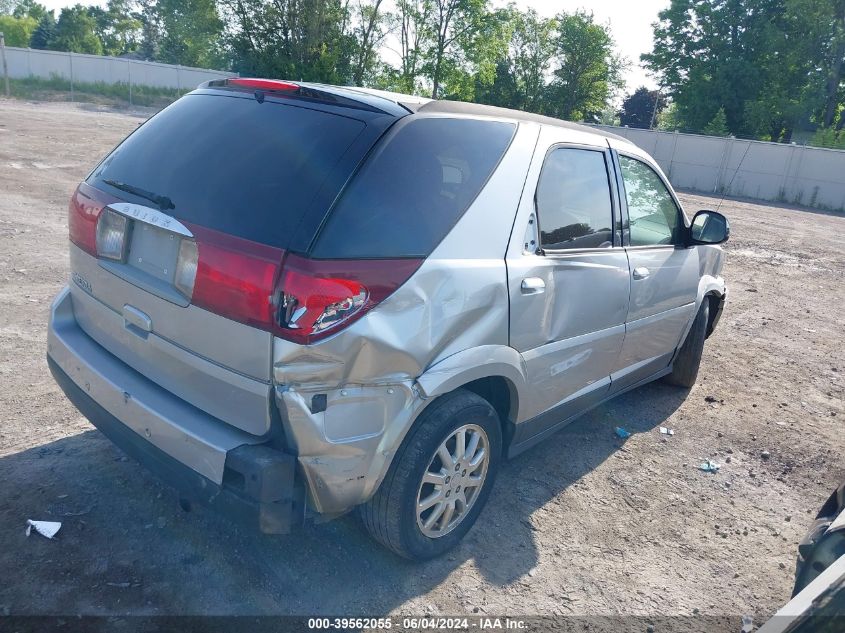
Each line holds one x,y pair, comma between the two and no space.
58,88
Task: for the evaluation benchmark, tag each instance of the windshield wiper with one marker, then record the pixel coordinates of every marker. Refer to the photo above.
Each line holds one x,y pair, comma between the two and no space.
164,203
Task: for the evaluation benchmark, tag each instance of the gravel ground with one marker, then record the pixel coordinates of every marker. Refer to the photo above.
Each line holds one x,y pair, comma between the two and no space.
583,524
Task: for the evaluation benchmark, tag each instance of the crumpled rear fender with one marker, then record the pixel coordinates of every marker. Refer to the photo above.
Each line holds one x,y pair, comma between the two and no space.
484,361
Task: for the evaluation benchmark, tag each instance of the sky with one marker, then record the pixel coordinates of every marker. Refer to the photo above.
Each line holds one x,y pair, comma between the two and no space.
630,23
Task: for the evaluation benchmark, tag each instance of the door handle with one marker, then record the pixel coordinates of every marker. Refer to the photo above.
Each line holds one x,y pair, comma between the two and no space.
532,286
641,272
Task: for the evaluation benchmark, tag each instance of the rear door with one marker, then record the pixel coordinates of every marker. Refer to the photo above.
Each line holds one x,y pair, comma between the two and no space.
664,272
237,178
568,278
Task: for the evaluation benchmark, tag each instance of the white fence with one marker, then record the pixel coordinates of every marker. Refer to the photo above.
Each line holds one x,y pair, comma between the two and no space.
798,174
79,68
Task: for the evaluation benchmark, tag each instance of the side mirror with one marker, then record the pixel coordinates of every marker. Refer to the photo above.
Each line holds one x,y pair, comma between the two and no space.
709,227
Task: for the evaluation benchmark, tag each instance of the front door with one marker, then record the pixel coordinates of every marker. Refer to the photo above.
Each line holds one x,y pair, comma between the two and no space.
664,274
568,281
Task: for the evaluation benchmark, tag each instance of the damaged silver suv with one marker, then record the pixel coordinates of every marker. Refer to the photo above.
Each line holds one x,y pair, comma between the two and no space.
292,300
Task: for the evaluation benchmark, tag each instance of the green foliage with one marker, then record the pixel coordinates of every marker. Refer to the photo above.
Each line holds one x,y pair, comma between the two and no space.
609,116
76,31
455,49
565,67
641,108
369,28
718,125
44,32
828,137
291,39
58,88
17,31
118,28
520,80
667,120
191,33
30,8
587,72
771,65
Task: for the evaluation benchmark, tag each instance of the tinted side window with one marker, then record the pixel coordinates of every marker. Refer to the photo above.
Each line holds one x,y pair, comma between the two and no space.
652,213
232,164
413,189
573,200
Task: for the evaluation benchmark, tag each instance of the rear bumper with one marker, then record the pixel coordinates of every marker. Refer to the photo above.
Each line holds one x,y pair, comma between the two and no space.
205,459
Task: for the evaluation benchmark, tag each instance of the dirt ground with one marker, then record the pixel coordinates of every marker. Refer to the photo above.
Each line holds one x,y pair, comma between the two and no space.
583,524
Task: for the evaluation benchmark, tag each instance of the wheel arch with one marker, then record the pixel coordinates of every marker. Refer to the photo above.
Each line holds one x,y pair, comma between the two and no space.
493,372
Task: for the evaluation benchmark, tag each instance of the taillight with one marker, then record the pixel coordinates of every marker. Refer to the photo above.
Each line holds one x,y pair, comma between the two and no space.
320,297
298,299
186,268
315,305
112,235
263,84
236,278
84,210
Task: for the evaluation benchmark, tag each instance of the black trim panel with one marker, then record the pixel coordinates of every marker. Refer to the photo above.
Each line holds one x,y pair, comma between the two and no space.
537,429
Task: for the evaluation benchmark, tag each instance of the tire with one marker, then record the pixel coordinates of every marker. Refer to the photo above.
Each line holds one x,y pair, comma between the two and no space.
688,360
391,515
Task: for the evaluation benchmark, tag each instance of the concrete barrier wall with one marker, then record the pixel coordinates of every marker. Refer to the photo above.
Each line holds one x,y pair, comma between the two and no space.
798,174
76,67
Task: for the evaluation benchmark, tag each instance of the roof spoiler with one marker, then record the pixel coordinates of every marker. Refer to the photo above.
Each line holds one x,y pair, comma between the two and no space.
289,89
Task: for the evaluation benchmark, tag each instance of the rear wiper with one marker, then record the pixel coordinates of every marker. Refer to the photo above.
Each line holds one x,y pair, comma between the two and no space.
164,203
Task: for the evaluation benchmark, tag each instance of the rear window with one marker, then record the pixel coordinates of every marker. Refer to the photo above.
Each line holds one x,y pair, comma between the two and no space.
413,189
232,164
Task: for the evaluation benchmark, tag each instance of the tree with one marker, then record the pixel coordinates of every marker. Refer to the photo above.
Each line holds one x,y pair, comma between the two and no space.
17,31
413,16
834,97
44,32
118,27
76,31
191,30
718,126
667,120
369,32
447,46
771,65
587,70
293,39
641,108
453,26
150,30
30,8
532,48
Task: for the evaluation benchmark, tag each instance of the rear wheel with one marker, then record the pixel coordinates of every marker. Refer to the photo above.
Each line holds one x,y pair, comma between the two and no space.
440,479
688,360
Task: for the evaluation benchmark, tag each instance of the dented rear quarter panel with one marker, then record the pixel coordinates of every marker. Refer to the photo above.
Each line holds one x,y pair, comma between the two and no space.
456,301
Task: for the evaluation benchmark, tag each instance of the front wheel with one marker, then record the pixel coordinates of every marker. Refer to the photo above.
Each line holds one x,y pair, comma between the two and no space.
439,480
688,360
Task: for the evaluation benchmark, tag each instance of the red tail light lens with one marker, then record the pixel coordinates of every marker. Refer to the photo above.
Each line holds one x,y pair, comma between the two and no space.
303,300
84,210
236,278
317,298
315,305
263,84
